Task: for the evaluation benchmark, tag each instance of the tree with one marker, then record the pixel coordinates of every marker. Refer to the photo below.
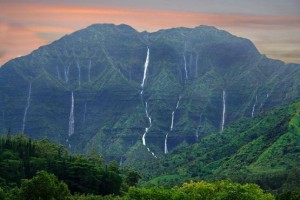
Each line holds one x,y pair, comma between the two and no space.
2,194
132,178
44,186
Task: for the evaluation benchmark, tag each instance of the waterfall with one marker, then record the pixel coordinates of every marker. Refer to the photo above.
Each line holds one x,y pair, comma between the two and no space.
145,69
146,104
58,74
253,108
186,75
121,161
147,114
196,74
67,69
166,144
26,108
197,131
146,129
185,69
71,118
146,107
224,110
144,135
177,105
172,122
79,74
172,125
89,70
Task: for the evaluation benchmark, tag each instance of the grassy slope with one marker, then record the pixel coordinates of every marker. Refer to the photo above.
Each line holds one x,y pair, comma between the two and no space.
265,150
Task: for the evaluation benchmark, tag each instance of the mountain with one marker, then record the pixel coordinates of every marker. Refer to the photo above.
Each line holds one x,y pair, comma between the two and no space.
264,150
136,95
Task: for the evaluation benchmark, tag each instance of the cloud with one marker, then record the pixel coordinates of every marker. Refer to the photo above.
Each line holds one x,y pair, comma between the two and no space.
25,27
16,41
2,53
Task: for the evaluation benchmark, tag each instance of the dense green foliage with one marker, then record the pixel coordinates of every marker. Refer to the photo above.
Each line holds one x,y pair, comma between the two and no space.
264,150
20,158
222,190
45,186
23,177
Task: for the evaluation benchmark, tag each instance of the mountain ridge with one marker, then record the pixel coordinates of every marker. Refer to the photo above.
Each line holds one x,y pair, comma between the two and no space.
103,66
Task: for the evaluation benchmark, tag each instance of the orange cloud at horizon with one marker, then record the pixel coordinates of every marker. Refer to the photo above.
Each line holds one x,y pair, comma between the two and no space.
27,26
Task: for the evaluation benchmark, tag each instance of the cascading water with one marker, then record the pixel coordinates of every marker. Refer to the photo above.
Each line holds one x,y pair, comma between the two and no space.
146,129
197,131
79,74
172,125
224,110
146,103
71,118
185,69
121,161
67,70
253,108
145,69
26,108
166,144
58,73
172,122
177,105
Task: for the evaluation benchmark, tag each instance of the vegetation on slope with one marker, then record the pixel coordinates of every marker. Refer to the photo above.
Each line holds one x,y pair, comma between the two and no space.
42,170
264,150
21,158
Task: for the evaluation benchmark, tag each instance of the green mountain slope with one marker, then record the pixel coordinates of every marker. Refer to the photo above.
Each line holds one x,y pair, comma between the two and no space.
198,80
265,150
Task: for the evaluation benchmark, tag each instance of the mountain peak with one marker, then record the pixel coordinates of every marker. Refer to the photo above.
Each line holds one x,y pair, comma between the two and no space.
123,27
188,76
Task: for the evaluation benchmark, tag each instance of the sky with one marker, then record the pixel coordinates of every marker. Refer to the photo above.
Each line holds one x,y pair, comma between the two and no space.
272,25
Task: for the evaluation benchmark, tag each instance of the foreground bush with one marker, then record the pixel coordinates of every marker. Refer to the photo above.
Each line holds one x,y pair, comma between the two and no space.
221,190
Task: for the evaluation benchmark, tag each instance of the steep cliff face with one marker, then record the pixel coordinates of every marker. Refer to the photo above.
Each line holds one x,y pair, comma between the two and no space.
130,94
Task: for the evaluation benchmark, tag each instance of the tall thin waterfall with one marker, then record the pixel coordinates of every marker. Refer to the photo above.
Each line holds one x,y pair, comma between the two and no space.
172,122
185,69
184,59
166,144
253,108
224,110
172,126
66,73
177,105
79,74
146,129
145,69
71,118
146,103
26,107
197,131
58,73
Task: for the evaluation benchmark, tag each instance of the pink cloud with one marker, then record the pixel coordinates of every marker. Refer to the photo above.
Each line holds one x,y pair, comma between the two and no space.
29,26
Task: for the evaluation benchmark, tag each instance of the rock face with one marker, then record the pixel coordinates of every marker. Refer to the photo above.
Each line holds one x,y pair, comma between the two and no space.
90,89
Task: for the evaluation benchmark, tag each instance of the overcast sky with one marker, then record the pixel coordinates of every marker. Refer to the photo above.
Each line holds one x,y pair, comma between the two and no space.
273,25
